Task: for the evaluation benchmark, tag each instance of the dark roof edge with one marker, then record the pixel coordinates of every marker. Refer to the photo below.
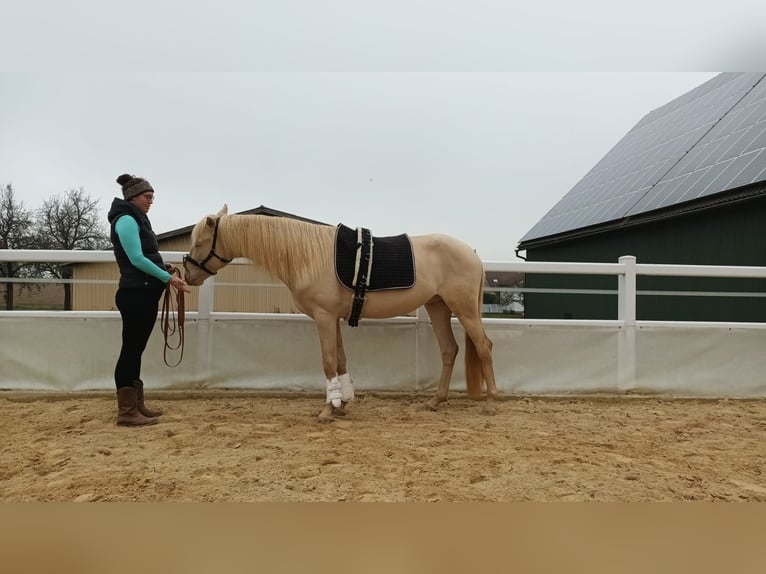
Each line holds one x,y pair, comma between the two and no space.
733,196
260,210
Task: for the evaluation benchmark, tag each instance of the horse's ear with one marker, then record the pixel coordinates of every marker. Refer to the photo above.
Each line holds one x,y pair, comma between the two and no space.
210,221
224,210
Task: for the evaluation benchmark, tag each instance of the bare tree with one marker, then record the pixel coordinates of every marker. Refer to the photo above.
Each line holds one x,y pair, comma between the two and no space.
15,233
69,221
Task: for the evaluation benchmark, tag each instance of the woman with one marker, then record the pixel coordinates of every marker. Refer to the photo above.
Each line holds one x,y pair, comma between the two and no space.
143,277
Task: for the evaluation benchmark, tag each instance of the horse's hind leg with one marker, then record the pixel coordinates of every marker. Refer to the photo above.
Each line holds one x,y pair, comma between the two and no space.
440,320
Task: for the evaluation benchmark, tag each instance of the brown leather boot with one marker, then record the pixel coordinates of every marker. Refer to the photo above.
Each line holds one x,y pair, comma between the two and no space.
138,384
127,403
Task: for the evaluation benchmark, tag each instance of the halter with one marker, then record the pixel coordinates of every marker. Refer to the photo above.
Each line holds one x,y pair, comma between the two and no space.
210,255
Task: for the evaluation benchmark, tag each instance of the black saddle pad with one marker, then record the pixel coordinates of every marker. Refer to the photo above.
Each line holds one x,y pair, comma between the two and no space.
393,264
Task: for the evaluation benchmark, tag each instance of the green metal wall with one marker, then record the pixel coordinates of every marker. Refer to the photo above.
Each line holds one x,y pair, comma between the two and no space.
729,235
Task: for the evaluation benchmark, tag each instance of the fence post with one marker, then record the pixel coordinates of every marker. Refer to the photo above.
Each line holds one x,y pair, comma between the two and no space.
626,312
626,291
206,298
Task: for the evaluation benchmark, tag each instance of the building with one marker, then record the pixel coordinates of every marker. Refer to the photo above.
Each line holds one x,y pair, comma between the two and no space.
500,296
239,288
686,185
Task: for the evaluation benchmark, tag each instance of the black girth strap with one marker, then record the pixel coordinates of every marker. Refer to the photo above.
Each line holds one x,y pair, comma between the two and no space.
362,272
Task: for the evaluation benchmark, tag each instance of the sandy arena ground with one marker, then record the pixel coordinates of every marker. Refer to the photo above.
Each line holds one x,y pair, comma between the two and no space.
235,446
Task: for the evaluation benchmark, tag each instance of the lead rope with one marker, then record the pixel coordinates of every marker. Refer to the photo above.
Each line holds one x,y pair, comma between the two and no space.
172,323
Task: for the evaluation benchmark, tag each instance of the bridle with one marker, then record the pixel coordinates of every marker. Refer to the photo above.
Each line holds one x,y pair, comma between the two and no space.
211,255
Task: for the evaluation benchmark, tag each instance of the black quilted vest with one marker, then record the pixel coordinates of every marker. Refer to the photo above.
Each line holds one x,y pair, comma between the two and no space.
130,276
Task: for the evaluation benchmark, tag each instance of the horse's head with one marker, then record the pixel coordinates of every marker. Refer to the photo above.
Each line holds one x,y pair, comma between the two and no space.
202,260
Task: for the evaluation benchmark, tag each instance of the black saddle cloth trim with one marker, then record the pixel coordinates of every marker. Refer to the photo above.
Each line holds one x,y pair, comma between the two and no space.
393,263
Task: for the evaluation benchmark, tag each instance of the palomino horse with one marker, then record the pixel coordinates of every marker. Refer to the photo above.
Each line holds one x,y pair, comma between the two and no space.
449,278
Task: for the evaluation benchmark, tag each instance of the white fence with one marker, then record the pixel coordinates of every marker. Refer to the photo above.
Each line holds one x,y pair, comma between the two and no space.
76,350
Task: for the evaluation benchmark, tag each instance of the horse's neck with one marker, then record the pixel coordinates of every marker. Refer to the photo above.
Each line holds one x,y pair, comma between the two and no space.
245,236
250,237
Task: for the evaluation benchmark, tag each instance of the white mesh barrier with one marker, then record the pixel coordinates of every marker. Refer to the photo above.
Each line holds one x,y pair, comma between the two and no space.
554,359
285,355
75,352
72,351
701,361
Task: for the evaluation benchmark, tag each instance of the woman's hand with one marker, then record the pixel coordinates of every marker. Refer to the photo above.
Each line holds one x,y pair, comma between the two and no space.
179,283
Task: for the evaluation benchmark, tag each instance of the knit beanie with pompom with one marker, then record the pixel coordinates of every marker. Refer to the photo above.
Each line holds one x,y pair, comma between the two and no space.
133,185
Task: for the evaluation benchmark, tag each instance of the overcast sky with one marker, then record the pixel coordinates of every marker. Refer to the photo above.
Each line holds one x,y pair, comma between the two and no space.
412,116
481,156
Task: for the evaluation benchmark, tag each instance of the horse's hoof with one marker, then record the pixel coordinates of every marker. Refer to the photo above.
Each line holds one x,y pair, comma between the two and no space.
338,412
324,419
489,411
431,406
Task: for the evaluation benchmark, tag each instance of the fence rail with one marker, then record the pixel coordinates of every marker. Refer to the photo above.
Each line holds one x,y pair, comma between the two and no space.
276,350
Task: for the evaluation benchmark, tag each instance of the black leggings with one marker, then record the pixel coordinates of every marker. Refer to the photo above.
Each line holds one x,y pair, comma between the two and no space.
138,308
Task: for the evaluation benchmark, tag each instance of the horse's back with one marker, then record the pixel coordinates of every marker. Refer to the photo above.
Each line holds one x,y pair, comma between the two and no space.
440,257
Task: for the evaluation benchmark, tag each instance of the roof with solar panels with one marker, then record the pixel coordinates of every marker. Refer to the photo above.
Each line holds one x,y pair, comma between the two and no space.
702,149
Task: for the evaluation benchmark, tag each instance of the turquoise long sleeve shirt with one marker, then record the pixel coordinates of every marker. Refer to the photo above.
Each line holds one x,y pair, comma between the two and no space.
127,230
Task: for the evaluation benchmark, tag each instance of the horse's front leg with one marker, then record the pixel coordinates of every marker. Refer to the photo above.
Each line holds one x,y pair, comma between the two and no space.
328,329
346,384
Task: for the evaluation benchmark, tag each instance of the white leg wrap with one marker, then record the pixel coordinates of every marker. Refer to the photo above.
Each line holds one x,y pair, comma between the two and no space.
346,387
334,395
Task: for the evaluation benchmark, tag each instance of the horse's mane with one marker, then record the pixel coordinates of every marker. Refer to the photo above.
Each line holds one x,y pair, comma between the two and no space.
289,249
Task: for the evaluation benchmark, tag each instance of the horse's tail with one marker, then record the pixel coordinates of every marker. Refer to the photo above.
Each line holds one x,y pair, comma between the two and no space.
474,376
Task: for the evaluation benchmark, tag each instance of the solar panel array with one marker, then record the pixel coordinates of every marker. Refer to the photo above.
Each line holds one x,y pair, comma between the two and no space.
708,141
